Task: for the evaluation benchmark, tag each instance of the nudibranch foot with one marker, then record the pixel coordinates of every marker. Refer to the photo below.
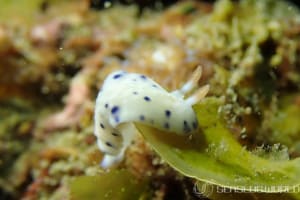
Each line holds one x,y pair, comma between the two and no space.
110,160
113,155
126,98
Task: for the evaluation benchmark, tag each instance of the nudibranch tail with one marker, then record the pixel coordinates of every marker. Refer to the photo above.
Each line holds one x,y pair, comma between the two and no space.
129,97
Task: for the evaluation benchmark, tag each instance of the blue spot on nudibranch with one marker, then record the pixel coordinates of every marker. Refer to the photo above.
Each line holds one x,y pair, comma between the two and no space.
117,119
109,144
143,77
114,109
147,98
155,86
102,126
186,127
115,134
106,105
168,113
142,117
117,76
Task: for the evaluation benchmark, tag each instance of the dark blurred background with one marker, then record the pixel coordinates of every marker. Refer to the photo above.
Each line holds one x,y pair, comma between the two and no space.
153,4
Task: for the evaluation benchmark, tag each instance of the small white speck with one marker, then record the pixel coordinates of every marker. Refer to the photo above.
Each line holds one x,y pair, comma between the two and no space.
248,110
159,57
45,90
107,4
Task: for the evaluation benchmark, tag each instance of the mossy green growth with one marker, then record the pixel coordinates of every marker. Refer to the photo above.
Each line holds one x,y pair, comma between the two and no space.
18,10
281,123
214,156
114,185
286,123
16,122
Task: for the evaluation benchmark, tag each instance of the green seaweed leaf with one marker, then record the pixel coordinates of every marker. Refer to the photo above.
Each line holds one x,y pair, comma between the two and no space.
113,185
214,156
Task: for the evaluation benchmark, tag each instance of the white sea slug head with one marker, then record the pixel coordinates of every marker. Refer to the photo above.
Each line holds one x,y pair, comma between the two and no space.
129,97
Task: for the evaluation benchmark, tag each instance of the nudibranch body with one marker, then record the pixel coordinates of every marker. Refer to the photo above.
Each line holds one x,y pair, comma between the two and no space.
129,97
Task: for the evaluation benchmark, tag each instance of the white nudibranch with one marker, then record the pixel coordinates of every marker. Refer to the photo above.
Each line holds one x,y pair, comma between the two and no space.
129,97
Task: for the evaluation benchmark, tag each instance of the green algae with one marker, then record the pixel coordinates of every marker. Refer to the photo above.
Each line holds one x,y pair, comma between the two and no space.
116,184
214,156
